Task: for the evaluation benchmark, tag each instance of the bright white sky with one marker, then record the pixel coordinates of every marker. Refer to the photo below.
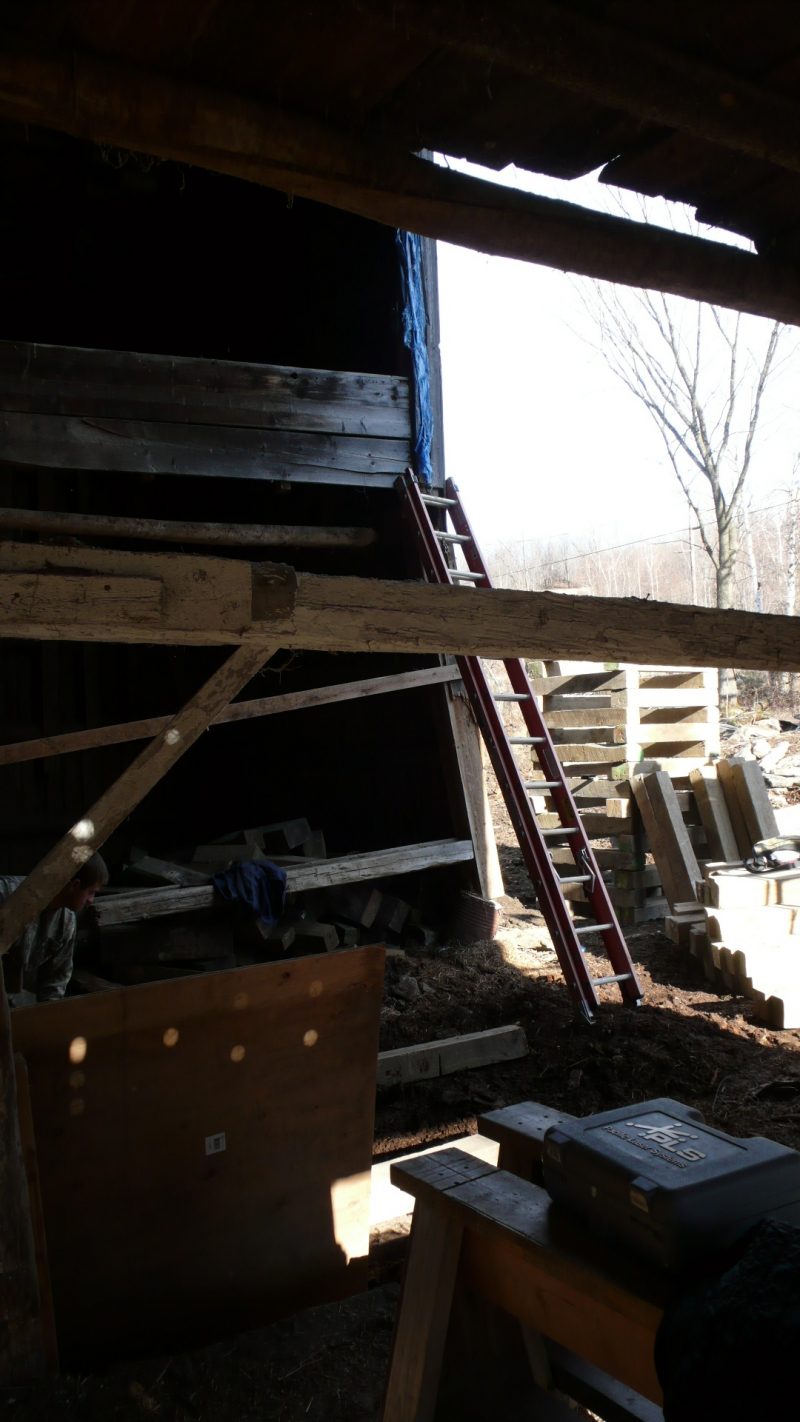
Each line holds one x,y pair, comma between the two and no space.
541,437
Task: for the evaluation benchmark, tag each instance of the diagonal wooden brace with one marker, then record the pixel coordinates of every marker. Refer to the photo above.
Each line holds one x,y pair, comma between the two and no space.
62,862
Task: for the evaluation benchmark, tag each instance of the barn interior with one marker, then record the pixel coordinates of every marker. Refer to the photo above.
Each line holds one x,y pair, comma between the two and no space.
209,319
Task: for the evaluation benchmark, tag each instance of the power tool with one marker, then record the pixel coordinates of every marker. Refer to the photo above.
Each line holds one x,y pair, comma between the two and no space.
772,855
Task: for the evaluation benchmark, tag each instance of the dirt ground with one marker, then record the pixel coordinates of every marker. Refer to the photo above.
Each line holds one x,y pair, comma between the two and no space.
685,1041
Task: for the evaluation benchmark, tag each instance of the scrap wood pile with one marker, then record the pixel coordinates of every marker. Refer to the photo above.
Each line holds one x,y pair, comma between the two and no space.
743,927
168,918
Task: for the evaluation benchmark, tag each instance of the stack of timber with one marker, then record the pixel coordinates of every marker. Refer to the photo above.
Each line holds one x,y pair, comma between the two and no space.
609,723
178,925
733,804
743,928
748,939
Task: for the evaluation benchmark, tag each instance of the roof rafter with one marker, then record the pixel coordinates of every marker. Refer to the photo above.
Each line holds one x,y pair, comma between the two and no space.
158,114
610,65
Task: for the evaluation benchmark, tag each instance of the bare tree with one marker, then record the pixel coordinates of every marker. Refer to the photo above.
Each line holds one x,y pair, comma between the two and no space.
703,386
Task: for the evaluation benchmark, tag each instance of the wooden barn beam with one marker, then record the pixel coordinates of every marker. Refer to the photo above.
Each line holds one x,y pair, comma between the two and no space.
225,601
156,530
612,66
62,862
153,113
90,739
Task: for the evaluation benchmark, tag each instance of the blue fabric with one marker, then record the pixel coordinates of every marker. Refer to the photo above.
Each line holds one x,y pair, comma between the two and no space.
256,883
415,323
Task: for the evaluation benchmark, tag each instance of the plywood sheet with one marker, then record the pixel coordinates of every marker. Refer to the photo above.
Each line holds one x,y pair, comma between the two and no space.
204,1148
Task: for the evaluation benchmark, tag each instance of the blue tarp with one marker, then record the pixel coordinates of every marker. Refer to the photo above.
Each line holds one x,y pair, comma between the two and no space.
258,884
414,335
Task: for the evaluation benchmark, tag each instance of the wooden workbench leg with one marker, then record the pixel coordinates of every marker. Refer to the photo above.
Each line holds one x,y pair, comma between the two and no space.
424,1316
27,1134
22,1357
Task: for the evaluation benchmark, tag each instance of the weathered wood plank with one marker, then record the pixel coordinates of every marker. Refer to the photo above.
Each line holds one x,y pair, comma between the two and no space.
137,447
214,601
135,904
53,597
713,810
45,746
59,865
68,380
153,530
579,683
668,836
608,716
751,793
425,1060
726,778
671,732
109,102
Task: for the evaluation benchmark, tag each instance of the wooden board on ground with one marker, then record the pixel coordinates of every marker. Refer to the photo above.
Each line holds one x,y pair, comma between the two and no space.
451,1054
204,1149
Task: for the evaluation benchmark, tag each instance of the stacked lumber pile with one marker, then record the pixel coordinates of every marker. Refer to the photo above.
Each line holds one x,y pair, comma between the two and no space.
743,928
168,920
748,939
607,724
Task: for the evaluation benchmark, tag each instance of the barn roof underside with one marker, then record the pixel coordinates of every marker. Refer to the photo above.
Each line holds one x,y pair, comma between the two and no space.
694,103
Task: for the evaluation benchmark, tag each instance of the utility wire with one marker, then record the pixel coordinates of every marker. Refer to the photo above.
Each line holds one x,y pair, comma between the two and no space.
669,535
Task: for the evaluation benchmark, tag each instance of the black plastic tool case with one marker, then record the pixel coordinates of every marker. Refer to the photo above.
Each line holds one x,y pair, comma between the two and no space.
665,1185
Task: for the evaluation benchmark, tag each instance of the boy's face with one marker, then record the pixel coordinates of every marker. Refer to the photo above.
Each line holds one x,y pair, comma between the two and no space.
78,895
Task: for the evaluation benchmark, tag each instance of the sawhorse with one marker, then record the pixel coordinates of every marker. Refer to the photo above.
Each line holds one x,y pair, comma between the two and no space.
585,1316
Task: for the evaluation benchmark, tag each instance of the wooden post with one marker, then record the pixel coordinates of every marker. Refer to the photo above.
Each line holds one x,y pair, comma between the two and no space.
22,1352
61,863
467,741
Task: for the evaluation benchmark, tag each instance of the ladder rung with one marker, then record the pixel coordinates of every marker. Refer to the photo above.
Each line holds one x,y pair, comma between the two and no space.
526,740
612,978
594,928
512,696
541,784
453,537
469,577
561,829
577,879
439,501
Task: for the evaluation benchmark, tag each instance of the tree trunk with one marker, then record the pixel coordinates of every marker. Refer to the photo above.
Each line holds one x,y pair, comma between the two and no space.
726,565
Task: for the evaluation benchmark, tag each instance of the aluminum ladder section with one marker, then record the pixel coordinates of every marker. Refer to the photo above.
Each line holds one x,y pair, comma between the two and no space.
536,843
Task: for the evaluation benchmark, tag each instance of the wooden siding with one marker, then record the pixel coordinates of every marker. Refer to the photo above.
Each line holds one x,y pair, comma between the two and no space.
65,408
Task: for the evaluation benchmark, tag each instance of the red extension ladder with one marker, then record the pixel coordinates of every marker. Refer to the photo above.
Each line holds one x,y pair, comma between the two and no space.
597,914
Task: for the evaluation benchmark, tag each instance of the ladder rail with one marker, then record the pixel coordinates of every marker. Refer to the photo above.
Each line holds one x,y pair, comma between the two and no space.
532,838
561,795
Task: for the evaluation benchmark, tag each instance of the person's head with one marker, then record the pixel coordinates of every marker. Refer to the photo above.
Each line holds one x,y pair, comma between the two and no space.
80,891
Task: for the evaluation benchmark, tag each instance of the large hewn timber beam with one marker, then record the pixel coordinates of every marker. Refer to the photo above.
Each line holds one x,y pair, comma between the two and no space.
225,601
611,65
61,863
153,113
157,530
